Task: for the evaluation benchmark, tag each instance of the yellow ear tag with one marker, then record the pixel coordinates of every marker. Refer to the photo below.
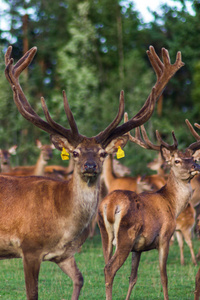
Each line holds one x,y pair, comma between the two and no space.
120,153
64,154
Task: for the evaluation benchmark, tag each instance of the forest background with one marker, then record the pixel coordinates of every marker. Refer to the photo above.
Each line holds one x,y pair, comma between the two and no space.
93,49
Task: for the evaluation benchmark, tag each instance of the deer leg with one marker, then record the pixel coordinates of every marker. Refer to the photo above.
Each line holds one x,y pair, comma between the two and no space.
181,245
113,266
198,255
69,267
31,272
197,286
187,237
107,243
163,254
134,268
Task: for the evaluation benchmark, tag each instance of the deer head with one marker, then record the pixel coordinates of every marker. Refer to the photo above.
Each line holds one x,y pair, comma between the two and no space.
46,150
89,153
5,158
182,163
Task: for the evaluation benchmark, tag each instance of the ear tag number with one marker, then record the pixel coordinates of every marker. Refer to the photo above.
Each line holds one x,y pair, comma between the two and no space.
64,154
120,153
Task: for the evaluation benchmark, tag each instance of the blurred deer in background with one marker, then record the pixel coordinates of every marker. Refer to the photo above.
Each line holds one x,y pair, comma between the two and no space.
43,219
142,222
5,159
114,182
46,153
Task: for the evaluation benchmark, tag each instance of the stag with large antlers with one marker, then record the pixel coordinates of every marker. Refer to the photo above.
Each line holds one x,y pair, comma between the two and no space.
47,220
142,222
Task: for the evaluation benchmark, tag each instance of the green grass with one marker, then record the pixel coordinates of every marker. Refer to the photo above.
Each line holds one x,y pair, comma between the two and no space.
54,284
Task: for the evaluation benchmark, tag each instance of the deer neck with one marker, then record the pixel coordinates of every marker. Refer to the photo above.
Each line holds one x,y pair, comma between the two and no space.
108,174
85,197
178,192
40,166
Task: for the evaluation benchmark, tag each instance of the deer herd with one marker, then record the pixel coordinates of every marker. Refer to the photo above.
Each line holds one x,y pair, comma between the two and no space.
47,211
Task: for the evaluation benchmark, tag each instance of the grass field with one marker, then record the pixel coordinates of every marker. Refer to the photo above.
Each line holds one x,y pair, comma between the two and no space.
55,285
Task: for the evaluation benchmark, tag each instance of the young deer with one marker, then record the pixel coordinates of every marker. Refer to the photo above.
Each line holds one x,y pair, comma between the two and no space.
141,222
43,219
5,165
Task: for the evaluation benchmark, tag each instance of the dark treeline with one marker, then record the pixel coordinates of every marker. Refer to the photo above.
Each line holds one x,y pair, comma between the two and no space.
93,49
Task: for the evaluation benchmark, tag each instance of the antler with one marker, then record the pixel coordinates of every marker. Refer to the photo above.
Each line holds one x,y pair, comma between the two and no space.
12,73
137,139
146,143
164,71
196,145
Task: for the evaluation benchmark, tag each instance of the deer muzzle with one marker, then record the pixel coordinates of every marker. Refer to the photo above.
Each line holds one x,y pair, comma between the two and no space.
90,168
195,169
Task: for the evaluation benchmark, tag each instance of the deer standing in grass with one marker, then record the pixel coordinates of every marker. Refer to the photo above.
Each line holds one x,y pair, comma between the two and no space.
186,220
142,222
43,219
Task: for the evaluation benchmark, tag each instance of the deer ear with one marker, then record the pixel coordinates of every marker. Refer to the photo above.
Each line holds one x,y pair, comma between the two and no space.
166,154
12,150
39,144
118,142
196,155
61,142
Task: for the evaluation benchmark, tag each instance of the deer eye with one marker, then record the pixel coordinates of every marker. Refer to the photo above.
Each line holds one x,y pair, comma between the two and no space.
177,162
75,154
103,154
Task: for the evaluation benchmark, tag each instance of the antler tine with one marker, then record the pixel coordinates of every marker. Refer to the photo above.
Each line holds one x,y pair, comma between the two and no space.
70,116
29,116
60,129
172,147
196,145
104,135
22,63
136,121
12,73
164,71
197,125
147,141
137,139
192,130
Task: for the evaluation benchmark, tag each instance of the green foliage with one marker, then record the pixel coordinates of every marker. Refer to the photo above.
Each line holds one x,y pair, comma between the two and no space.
93,50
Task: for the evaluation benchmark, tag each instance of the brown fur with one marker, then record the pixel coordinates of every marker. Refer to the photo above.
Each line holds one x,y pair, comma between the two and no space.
137,223
186,220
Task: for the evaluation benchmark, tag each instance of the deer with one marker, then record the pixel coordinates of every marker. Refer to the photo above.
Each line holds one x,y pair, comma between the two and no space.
141,222
5,155
186,220
46,153
112,181
44,219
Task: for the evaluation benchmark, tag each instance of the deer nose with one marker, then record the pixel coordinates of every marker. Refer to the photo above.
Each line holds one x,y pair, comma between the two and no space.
90,166
195,167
